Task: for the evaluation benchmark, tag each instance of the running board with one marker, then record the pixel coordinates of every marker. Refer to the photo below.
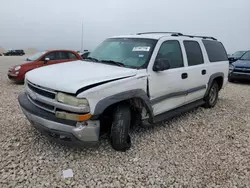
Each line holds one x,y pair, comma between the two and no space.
173,113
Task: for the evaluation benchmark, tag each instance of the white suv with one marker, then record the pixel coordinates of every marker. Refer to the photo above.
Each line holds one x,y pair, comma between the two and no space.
129,80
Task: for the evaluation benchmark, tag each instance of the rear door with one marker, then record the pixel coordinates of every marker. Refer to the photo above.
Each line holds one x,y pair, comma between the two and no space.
72,56
196,71
62,56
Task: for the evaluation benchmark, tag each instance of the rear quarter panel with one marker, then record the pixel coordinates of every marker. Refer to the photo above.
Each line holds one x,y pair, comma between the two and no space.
215,67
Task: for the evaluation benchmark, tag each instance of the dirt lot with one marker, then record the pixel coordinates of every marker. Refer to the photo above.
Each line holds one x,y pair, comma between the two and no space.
203,148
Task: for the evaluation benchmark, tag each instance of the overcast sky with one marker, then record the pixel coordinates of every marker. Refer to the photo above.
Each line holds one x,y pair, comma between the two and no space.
48,24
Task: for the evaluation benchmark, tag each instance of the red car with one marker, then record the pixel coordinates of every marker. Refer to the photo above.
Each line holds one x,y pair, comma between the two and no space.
17,73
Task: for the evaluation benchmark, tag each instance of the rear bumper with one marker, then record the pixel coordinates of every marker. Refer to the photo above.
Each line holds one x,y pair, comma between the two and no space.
239,76
59,130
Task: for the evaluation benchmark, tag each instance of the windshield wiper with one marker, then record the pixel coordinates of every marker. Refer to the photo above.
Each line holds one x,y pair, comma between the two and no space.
91,59
113,62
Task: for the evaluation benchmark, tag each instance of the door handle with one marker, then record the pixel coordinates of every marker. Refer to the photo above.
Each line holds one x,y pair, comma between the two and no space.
203,72
184,75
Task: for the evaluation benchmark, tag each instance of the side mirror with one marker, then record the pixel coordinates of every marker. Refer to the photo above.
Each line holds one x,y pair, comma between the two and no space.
46,60
161,65
232,59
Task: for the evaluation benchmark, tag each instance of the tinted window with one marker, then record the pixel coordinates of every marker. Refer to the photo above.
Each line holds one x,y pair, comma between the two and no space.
194,54
84,55
238,54
62,55
51,56
72,56
246,56
215,51
171,51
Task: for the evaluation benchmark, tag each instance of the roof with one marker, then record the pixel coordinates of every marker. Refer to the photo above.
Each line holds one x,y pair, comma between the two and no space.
158,35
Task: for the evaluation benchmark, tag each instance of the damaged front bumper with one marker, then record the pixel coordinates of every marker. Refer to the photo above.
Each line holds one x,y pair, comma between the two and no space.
60,130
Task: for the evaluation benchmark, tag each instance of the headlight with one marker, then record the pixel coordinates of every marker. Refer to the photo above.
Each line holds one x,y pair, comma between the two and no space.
17,68
67,99
231,67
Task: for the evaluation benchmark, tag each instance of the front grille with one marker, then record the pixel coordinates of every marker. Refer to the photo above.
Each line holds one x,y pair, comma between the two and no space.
45,99
41,91
242,70
43,105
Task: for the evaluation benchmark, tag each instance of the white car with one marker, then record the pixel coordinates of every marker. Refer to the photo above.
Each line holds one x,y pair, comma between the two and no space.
129,80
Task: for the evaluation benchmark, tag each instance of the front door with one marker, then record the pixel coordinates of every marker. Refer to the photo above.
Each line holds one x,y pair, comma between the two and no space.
53,59
167,88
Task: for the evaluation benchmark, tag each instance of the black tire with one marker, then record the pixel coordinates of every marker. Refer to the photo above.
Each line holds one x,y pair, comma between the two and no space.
212,96
120,138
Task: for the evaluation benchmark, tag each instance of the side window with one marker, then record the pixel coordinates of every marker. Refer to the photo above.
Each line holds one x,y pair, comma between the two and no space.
246,56
51,56
85,55
171,50
62,55
215,51
72,55
194,54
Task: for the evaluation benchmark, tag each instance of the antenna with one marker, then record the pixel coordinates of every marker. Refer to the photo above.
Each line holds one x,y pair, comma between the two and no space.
82,38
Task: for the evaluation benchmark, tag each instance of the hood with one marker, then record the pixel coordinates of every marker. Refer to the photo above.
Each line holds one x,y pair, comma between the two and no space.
25,64
242,63
70,77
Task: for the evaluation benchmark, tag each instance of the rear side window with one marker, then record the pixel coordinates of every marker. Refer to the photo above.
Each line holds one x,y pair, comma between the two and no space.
62,55
215,51
194,54
72,56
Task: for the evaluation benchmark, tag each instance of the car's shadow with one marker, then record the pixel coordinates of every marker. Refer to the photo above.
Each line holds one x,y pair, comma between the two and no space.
242,82
15,83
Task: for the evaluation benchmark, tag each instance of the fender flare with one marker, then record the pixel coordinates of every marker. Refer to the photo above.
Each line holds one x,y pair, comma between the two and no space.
211,79
113,99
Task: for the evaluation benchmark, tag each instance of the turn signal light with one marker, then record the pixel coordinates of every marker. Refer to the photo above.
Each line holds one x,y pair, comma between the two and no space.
73,117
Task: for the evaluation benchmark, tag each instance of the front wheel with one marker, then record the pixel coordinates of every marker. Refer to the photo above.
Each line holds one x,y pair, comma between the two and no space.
120,138
212,97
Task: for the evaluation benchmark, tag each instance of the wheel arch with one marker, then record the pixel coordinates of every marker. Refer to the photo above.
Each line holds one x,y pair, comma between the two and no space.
218,77
131,97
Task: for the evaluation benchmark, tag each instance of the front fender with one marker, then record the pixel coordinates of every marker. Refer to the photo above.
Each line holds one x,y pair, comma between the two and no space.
113,99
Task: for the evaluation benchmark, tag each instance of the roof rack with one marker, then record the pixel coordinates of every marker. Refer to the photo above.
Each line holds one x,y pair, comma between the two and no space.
176,34
192,36
173,33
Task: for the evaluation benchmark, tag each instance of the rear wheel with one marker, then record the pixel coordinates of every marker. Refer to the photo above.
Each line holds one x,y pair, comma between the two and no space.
120,138
212,97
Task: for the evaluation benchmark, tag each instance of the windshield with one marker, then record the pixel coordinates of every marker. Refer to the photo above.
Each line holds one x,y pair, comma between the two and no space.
129,52
36,56
238,54
246,56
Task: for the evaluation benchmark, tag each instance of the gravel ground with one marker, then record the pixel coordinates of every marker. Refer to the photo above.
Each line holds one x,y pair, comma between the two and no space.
203,148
